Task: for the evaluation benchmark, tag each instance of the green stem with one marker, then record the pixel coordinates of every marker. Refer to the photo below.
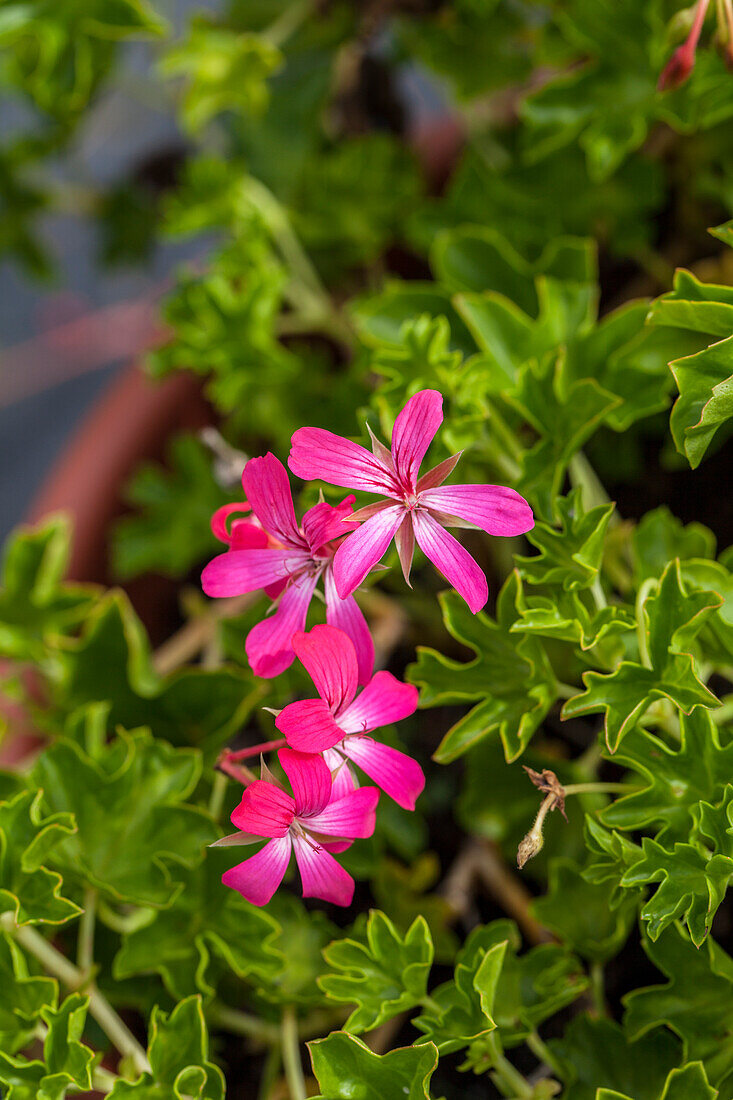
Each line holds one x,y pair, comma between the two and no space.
598,594
644,589
218,791
430,1004
59,966
242,1023
85,938
540,1049
597,988
270,1072
287,22
506,434
582,474
508,1079
566,691
598,788
291,1055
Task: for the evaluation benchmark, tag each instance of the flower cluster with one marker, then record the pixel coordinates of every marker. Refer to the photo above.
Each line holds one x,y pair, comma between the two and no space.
324,737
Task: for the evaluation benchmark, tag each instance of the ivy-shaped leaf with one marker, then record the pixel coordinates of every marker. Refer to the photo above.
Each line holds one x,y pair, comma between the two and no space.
111,662
23,997
676,779
209,930
568,618
494,987
510,675
581,913
346,1069
570,556
178,1052
705,378
659,537
28,889
35,604
384,975
696,1002
593,1050
132,826
671,618
66,1064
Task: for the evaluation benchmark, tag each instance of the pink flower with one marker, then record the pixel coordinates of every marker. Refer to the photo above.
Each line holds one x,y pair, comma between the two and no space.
299,823
416,508
286,561
340,718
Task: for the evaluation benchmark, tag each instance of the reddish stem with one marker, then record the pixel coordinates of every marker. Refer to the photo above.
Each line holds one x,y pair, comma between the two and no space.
254,750
235,771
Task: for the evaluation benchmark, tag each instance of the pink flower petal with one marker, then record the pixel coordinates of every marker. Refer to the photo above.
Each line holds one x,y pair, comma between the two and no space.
397,774
321,875
323,522
219,521
310,779
248,536
265,810
496,509
309,725
345,615
269,644
329,658
258,877
342,774
413,433
352,816
316,453
362,550
267,488
238,571
451,559
384,700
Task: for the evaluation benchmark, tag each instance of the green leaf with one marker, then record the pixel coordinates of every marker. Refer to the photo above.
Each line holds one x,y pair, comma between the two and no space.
696,1002
570,556
692,887
35,604
225,70
671,618
405,893
705,382
23,997
208,931
132,829
111,662
510,676
346,1069
581,914
676,779
568,618
383,975
178,1052
29,890
170,531
478,258
494,987
380,318
66,1061
593,1050
689,1083
565,413
659,536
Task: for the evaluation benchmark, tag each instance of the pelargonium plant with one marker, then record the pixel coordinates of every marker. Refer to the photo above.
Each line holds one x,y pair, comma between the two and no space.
414,779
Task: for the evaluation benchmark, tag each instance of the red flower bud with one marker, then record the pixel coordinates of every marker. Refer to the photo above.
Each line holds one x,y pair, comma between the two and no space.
678,68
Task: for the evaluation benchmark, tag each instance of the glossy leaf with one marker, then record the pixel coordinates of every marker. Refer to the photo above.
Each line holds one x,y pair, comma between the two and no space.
383,975
346,1069
28,839
510,675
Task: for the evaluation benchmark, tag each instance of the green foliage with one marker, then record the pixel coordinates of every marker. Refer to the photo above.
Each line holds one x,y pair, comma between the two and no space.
530,281
29,890
345,1068
178,1051
170,532
383,976
511,676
